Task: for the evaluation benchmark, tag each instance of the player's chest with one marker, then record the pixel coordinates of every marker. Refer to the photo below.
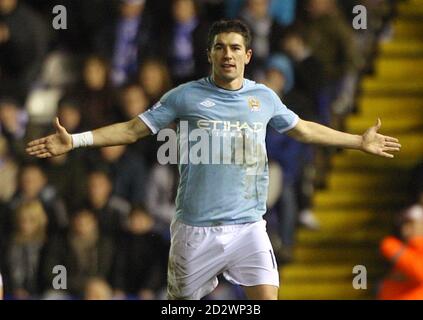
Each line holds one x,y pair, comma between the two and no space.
244,108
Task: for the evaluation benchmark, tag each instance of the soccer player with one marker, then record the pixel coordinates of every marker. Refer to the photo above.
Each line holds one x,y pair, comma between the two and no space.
218,227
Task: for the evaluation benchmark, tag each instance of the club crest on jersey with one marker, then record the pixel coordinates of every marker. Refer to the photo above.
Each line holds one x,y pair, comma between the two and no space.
254,104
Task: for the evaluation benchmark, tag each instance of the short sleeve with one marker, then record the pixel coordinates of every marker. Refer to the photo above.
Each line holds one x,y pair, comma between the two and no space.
164,111
283,119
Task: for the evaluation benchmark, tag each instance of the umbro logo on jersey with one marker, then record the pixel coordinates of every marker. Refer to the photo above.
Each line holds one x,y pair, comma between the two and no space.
207,103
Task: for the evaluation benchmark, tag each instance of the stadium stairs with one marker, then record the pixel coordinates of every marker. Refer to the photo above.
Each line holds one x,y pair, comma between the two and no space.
357,208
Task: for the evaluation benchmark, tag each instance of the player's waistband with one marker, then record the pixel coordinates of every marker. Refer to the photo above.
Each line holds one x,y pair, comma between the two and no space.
222,228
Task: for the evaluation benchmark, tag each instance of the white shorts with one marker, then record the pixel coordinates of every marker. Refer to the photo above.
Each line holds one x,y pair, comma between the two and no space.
242,252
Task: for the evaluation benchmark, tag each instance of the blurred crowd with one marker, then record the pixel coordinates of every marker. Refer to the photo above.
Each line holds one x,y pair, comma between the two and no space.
104,214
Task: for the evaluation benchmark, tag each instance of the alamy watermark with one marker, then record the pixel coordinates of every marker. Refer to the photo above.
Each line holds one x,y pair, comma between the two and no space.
60,281
215,142
60,21
360,20
360,280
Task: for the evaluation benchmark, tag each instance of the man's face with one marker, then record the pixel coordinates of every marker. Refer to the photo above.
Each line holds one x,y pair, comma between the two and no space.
95,74
131,10
97,289
293,46
318,8
151,78
70,117
140,222
84,223
32,182
275,80
113,153
99,187
258,8
7,6
229,56
9,116
183,10
133,101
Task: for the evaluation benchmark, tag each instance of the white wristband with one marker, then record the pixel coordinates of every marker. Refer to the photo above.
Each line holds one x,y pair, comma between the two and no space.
83,139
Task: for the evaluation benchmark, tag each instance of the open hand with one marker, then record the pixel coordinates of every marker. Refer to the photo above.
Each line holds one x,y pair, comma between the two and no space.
52,145
377,144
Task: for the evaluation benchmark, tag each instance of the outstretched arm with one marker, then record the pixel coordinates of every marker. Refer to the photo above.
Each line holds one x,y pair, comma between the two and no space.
370,141
62,142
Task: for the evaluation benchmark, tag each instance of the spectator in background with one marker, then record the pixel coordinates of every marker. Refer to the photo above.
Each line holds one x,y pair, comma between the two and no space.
97,289
13,125
308,71
110,210
22,48
33,185
187,36
128,40
332,41
309,80
67,174
25,251
127,170
154,78
8,174
8,183
85,252
280,77
264,31
405,280
69,113
142,258
95,93
132,102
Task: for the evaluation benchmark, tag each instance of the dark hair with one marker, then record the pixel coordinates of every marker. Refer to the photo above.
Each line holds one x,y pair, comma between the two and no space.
9,100
69,101
101,169
25,165
226,26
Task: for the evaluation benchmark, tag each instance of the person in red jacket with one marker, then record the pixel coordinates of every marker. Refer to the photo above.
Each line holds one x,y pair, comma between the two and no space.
405,280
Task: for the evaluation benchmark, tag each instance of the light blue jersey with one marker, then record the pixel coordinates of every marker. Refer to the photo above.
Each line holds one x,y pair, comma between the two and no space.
222,193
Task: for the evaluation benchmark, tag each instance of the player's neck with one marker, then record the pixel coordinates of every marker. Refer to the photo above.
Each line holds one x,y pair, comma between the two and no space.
233,85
